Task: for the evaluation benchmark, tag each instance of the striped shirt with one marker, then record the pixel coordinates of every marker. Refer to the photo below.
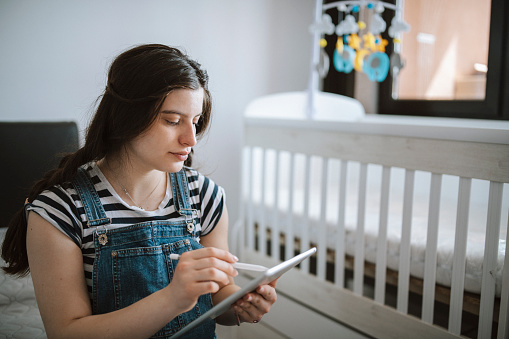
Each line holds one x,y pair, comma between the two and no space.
62,207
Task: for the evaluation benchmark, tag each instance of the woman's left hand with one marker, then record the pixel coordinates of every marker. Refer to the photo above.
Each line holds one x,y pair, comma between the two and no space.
254,305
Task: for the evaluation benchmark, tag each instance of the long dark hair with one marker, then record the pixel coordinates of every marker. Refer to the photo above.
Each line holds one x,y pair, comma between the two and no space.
139,80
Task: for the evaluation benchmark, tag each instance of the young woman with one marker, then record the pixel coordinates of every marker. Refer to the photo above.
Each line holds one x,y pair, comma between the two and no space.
97,232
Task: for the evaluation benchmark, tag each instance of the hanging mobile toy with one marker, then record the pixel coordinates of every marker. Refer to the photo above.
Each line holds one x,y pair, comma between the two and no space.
324,62
360,45
344,61
376,66
325,26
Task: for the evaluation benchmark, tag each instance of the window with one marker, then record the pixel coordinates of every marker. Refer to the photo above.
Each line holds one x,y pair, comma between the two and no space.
456,61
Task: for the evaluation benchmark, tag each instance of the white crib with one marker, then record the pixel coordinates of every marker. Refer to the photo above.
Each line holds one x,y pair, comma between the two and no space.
411,231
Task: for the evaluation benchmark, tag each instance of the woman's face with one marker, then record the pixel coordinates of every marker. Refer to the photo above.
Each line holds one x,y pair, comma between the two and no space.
165,145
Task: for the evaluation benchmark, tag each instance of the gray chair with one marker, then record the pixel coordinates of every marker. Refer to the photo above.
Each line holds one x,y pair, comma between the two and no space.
28,150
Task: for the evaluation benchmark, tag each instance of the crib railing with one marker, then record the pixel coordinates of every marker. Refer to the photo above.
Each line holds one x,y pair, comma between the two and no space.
285,161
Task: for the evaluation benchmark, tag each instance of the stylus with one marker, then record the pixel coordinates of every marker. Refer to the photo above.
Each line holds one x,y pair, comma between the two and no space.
237,265
249,267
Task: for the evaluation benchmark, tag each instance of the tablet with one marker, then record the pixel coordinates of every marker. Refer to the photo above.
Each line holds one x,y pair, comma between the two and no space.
266,277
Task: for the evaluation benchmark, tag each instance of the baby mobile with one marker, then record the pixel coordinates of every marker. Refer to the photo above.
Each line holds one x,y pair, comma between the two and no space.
361,52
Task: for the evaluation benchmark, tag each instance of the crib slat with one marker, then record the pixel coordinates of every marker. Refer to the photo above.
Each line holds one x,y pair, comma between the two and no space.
381,247
460,251
238,241
430,261
490,260
358,274
262,227
503,321
339,269
305,225
275,212
404,252
289,239
250,205
322,236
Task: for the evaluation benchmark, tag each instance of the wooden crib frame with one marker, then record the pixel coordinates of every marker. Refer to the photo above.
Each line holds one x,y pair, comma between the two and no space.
263,242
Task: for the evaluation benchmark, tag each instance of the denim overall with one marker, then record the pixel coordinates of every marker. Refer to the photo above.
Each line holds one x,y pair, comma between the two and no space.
132,262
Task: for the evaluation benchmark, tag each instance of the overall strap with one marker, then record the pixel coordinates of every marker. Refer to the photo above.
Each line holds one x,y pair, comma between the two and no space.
182,201
96,215
180,190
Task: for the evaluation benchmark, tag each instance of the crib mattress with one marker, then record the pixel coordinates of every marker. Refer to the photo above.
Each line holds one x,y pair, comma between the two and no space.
19,314
419,225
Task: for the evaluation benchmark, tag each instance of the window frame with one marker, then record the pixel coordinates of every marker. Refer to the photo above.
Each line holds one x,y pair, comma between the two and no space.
496,102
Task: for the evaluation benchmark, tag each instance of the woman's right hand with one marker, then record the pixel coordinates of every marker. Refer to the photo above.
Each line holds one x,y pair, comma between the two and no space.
198,272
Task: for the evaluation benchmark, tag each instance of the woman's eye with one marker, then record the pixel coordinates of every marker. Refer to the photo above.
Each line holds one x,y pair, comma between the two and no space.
174,123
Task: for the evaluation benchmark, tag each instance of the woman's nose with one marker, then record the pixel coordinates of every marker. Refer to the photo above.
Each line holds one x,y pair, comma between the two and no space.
188,135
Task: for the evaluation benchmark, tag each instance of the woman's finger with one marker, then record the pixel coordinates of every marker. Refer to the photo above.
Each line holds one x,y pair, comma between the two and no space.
191,271
207,262
267,292
257,301
213,262
208,252
248,312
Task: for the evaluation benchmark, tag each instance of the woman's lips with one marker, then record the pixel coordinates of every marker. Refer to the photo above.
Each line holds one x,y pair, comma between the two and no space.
181,156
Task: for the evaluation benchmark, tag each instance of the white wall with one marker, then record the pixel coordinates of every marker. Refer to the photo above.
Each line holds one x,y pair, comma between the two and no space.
54,56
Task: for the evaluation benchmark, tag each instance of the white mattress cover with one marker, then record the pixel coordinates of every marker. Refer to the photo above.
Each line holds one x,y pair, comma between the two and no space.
19,314
446,231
